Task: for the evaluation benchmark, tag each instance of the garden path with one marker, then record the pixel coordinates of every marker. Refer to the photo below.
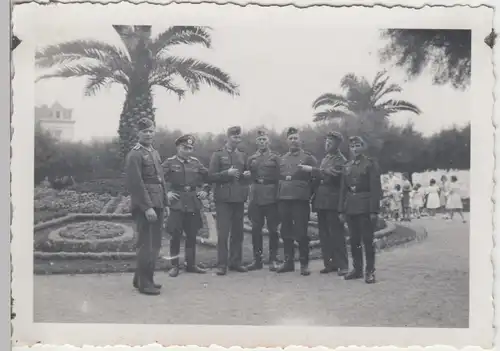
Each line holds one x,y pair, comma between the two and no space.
421,285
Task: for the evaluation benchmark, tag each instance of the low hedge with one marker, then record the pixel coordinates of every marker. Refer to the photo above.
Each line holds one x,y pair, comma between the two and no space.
112,186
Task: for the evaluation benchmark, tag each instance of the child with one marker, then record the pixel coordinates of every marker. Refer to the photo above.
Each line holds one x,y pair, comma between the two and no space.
417,200
433,201
396,197
454,200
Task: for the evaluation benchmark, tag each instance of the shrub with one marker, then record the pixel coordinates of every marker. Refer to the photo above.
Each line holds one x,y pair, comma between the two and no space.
113,187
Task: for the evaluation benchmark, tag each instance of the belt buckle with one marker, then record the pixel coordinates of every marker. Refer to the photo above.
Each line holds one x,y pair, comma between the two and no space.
260,181
288,178
187,188
322,181
353,188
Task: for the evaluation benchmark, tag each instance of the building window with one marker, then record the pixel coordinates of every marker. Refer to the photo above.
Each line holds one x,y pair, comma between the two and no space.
57,133
58,114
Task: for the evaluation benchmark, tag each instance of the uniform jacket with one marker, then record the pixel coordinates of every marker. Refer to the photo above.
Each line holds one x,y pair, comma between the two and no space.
295,184
265,175
361,188
185,178
145,180
327,182
227,188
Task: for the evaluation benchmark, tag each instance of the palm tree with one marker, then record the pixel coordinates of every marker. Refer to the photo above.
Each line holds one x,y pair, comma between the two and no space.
142,63
362,99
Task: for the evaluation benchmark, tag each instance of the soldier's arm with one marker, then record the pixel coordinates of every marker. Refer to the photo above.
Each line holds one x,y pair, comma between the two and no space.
375,187
215,175
166,175
135,184
343,193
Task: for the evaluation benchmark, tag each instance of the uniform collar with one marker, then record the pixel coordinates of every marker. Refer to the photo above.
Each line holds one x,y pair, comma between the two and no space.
295,152
263,152
335,154
228,149
149,148
182,160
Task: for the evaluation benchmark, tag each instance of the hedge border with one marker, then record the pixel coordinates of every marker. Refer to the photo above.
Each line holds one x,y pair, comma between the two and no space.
128,234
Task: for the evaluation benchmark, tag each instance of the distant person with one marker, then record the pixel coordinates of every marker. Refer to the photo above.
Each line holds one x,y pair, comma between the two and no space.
433,201
186,186
294,195
396,203
45,183
454,199
405,198
417,200
443,190
359,205
228,170
264,167
146,186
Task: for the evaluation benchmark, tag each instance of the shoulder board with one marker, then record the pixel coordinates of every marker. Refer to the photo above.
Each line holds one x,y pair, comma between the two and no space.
171,158
136,147
220,149
193,158
307,153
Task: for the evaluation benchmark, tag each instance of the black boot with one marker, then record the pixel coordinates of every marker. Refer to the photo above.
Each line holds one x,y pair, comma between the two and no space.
191,267
354,274
370,277
289,264
304,270
174,271
256,264
221,271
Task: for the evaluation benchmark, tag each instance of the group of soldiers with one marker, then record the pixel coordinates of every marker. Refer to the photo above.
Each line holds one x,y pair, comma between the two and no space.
280,190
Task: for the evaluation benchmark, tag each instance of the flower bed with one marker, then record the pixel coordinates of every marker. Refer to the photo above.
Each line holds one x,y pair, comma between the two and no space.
51,203
91,230
112,186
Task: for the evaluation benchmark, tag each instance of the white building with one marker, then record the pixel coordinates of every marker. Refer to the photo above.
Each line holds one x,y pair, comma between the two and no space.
57,120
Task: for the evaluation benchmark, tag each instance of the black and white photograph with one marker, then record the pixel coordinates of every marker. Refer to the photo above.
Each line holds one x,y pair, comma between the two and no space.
203,174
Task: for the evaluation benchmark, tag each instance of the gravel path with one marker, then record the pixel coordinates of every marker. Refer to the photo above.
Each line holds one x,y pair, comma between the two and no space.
422,285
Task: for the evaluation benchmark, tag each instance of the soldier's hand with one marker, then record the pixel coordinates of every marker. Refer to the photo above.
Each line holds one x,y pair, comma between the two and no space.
172,196
151,215
233,172
246,174
202,195
342,217
305,168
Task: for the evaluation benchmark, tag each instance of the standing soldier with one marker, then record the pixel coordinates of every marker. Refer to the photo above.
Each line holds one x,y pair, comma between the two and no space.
294,195
359,204
228,171
264,167
184,176
326,202
147,191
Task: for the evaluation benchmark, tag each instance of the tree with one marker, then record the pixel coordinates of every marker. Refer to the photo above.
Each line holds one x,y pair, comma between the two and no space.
447,51
142,63
362,100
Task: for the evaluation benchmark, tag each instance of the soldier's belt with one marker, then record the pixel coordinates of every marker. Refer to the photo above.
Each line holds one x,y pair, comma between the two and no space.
265,181
185,188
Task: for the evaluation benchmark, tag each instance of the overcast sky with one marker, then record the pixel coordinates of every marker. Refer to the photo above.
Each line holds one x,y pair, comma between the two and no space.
280,70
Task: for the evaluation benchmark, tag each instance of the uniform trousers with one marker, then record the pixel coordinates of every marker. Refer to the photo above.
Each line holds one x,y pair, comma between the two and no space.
260,214
229,227
148,245
294,215
332,239
361,230
179,222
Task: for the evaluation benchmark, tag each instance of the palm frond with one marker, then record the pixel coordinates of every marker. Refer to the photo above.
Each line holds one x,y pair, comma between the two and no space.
379,76
83,50
393,106
330,114
170,87
329,99
350,81
132,35
194,73
392,88
180,35
95,84
89,70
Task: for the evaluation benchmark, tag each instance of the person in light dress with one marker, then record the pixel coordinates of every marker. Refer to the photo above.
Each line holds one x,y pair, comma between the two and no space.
443,191
417,200
405,200
433,200
454,200
396,202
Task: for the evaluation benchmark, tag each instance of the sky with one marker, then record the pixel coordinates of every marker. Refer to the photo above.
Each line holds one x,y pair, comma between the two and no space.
280,72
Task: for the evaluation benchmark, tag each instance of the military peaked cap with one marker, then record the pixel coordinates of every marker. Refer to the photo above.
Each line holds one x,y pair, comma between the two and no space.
235,130
261,132
334,135
186,139
356,139
145,123
291,130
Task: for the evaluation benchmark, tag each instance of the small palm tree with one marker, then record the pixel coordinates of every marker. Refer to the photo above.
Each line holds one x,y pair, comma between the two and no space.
142,63
361,99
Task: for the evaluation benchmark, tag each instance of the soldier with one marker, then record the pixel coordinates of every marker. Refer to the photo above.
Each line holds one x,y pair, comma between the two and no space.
228,170
325,203
294,195
147,191
184,175
264,167
359,204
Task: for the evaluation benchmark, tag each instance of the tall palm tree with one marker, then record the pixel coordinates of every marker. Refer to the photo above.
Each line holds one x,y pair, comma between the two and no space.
140,64
362,99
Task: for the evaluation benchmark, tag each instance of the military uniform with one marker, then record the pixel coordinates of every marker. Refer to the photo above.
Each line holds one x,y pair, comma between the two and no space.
230,194
184,177
294,196
325,203
265,174
147,191
360,200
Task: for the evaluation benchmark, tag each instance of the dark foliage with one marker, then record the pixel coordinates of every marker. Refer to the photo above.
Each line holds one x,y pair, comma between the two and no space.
446,51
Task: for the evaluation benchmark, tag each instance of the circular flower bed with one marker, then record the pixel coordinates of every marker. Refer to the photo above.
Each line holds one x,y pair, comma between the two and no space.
91,230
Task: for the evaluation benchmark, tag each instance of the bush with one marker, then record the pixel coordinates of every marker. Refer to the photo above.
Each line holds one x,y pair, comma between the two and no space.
113,187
